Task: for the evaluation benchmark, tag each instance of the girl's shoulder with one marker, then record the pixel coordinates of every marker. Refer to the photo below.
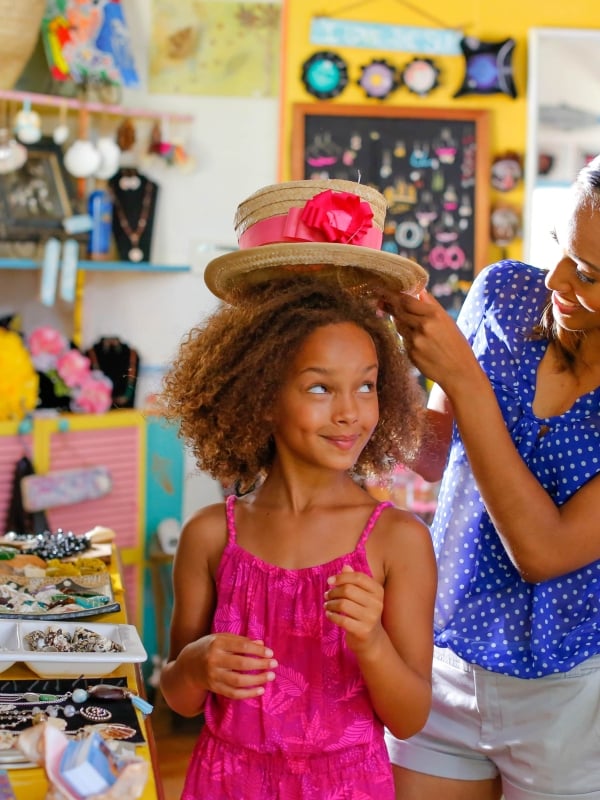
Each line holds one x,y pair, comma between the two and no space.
394,521
206,518
400,537
204,533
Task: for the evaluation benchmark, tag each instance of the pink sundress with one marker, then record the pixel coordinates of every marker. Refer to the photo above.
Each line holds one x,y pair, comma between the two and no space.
313,735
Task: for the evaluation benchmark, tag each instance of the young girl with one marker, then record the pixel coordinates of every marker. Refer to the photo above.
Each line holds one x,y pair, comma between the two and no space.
302,620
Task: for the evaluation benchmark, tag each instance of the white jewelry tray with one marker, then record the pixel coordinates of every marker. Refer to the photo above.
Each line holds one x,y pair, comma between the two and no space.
46,664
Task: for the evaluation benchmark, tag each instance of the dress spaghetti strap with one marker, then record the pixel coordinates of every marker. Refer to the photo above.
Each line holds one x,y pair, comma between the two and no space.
229,504
376,513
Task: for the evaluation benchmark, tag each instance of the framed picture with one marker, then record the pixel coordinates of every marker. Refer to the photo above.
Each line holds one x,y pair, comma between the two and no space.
433,167
35,199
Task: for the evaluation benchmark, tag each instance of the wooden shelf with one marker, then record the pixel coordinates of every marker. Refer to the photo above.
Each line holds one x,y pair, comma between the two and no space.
99,266
59,101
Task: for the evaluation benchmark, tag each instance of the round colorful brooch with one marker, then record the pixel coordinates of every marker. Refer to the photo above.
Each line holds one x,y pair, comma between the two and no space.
378,79
325,75
420,76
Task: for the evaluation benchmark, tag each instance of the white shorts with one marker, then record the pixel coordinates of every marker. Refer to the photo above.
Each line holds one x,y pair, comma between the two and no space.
541,735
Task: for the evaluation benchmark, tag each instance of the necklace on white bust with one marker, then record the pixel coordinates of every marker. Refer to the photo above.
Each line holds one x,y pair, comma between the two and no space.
134,235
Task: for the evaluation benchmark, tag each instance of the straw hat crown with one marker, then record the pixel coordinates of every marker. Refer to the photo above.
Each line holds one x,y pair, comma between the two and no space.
279,198
334,227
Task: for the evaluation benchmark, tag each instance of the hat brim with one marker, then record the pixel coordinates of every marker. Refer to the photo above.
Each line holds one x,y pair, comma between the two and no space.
233,276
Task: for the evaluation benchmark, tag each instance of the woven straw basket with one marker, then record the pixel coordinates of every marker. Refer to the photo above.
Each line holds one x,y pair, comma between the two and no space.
20,22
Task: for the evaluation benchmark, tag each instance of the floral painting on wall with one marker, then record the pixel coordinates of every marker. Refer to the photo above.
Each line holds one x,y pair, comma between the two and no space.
88,41
215,48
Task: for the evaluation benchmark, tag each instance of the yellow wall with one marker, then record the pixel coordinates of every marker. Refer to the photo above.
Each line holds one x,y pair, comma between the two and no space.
486,20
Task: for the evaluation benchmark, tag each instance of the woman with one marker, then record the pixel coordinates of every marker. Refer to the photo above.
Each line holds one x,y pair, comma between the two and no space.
516,409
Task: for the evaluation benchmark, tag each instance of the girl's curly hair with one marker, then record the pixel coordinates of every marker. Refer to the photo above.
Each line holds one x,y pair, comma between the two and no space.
227,374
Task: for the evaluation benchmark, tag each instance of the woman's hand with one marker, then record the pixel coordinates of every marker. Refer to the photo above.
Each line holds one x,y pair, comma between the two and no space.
432,339
355,603
232,665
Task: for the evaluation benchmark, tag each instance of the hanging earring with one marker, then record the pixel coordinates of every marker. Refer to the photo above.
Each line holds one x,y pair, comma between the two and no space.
28,126
60,134
12,154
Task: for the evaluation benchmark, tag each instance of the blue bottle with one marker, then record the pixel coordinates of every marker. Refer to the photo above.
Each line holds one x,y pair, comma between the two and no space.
100,209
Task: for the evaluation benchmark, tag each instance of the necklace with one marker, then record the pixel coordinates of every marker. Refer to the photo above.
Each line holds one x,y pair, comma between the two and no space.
135,253
13,699
120,362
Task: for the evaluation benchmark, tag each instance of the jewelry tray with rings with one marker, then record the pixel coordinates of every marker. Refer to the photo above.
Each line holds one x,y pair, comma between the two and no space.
62,598
46,663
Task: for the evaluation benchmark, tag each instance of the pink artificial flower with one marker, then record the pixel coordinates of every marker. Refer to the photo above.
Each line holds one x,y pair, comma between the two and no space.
73,367
338,217
46,345
94,396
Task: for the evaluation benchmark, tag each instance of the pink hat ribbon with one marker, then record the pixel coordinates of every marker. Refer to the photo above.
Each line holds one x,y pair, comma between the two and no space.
334,217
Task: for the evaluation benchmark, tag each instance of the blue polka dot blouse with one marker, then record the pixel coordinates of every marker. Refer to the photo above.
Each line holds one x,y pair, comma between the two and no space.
485,612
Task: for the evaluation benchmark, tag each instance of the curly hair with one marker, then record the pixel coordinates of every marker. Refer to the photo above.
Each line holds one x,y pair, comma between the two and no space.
225,379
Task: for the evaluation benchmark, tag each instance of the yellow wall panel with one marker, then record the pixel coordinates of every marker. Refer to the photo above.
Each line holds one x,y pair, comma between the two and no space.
479,18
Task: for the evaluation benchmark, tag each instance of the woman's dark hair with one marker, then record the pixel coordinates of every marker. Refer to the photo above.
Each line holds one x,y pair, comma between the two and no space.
226,376
586,191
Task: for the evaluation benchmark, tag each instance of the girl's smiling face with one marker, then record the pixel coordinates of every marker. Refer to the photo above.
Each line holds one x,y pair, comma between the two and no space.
328,407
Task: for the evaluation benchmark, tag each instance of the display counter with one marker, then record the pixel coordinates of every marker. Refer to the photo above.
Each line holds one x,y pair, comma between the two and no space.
29,783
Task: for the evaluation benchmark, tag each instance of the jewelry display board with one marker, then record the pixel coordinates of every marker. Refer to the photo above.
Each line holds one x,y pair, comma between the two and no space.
37,197
432,165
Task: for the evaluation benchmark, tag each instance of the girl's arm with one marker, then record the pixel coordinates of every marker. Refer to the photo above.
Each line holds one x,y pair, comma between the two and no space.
542,539
200,661
390,627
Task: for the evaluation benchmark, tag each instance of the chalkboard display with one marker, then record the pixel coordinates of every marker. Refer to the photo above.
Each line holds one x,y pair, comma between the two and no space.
432,166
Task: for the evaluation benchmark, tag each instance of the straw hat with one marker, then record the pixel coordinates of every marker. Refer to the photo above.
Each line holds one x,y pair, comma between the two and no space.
331,226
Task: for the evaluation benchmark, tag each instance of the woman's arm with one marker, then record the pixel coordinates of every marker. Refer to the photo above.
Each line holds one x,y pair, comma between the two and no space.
200,661
390,628
542,539
431,459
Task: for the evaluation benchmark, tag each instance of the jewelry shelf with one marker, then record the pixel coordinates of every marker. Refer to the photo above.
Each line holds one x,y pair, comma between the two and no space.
58,101
99,266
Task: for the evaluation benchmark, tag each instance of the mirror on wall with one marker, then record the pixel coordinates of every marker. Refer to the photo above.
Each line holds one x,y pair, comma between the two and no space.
563,126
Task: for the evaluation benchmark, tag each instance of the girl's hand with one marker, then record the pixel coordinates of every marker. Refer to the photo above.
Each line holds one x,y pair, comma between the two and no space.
355,603
232,665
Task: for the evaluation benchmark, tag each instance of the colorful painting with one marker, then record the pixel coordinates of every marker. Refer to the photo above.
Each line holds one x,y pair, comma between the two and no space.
88,41
215,48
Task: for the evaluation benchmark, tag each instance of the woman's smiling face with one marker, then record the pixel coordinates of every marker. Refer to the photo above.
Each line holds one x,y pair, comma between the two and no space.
575,280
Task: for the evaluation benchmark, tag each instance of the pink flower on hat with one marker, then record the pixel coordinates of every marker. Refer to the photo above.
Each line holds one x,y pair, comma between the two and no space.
339,216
